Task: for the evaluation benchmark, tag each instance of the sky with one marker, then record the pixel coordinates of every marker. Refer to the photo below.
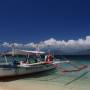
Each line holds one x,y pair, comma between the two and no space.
37,20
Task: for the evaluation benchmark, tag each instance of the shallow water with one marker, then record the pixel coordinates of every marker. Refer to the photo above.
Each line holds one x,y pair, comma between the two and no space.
79,79
57,76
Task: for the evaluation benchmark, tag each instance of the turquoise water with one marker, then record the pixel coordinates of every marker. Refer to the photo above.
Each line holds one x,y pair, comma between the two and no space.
57,76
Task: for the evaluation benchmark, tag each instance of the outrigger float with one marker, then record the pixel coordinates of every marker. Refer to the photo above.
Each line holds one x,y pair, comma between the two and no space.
75,67
81,67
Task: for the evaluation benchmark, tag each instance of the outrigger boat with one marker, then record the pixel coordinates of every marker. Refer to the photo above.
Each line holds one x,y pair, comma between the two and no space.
22,62
32,62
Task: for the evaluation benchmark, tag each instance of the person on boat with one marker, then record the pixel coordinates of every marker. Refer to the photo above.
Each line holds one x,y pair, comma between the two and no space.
15,62
46,57
49,58
38,57
35,59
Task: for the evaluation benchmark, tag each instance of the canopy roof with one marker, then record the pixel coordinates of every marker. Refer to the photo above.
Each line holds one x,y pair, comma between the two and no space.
24,52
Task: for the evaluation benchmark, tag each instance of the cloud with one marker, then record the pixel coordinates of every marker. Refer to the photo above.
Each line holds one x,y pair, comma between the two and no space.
71,45
66,46
6,44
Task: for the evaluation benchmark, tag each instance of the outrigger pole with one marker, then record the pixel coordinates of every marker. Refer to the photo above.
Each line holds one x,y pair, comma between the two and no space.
82,75
13,49
77,68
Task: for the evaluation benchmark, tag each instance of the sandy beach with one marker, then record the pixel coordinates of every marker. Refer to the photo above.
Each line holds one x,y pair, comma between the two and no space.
40,85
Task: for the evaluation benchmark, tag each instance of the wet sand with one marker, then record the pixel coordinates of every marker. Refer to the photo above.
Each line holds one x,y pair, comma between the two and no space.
82,84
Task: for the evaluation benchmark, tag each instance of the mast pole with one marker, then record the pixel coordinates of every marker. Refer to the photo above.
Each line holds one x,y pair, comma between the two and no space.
13,49
6,59
28,58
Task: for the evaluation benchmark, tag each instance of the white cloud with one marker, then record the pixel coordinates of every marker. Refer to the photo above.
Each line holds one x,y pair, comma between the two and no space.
66,46
30,45
5,44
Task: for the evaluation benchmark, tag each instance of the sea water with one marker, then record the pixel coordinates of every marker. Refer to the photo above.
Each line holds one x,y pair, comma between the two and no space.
58,77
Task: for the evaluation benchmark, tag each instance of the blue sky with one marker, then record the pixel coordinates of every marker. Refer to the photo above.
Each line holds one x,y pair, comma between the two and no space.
37,20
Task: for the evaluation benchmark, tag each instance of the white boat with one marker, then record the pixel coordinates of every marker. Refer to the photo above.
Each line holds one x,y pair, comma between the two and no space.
23,67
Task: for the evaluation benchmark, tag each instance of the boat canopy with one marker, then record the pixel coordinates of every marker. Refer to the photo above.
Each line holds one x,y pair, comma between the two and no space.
24,52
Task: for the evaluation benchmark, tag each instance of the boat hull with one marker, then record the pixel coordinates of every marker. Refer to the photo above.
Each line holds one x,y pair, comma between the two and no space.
15,71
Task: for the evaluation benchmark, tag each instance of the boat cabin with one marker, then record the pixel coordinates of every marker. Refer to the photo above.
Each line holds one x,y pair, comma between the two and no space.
24,57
